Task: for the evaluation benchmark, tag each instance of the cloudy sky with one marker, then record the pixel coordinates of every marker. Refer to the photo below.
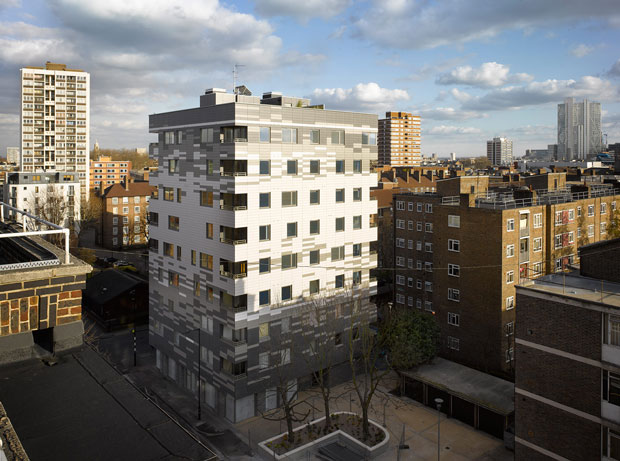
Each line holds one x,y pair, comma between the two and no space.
473,69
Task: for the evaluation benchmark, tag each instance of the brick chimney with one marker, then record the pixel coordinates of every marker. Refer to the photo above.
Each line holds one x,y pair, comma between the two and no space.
126,182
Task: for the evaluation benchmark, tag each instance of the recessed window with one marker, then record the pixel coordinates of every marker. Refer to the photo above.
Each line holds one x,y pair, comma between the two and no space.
206,135
339,224
264,167
357,194
339,166
315,227
264,232
357,277
315,257
357,222
454,319
337,137
339,281
173,223
315,167
291,229
289,135
264,298
289,261
357,166
315,197
338,253
315,136
454,294
265,134
510,251
206,198
454,221
510,225
287,293
454,270
291,167
357,249
369,139
289,198
264,265
314,286
339,195
454,245
264,200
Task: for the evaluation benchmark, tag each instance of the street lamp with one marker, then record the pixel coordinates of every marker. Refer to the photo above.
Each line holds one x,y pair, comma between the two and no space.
438,402
199,367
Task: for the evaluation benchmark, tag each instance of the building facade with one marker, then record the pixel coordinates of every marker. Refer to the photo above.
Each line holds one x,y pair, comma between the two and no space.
54,197
55,120
460,252
579,129
263,205
105,172
399,140
499,151
12,155
125,215
567,390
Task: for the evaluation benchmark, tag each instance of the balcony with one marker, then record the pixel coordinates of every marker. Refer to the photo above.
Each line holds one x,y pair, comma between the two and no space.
233,202
233,236
233,270
234,303
234,168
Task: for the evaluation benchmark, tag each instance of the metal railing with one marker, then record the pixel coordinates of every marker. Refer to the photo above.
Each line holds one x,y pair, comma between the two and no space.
451,200
499,201
56,229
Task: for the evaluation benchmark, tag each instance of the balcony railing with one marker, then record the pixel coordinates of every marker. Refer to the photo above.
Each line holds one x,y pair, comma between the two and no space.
232,241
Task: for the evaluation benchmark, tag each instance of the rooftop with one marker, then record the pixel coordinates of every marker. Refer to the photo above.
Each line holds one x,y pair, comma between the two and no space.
134,189
573,285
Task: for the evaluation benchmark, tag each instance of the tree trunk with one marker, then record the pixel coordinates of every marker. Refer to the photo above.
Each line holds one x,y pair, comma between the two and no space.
289,423
328,418
365,429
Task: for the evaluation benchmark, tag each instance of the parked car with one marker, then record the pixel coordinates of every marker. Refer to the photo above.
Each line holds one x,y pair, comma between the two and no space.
121,262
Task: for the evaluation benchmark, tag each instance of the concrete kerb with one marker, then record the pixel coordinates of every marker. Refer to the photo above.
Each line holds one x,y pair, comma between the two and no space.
301,453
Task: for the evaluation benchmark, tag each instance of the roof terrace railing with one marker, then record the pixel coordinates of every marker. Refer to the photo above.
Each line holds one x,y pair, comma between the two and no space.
34,221
501,201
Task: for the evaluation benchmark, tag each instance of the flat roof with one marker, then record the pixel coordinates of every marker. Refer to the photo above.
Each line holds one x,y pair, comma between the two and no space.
472,385
574,285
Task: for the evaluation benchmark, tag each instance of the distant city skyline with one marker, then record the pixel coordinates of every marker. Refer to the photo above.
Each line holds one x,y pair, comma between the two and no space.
470,70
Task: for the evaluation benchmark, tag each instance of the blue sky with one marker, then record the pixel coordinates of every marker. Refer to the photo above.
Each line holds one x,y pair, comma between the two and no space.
473,69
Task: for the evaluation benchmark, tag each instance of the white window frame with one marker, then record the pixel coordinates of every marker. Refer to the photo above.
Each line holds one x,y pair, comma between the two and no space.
454,294
454,245
454,221
510,277
454,319
510,251
510,303
454,270
510,225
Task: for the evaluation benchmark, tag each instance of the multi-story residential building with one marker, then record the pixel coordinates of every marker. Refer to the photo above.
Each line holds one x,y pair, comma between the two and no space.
12,155
125,214
399,140
499,151
579,129
54,197
460,252
55,120
105,172
263,205
567,389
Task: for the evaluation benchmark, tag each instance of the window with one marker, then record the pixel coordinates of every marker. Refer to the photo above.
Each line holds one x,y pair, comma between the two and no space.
357,194
400,280
173,223
400,224
454,221
114,200
291,229
410,243
428,266
264,200
193,257
209,167
169,194
206,261
339,166
509,354
206,198
169,137
315,197
538,244
173,279
510,277
537,220
603,208
265,134
369,139
315,136
339,281
453,319
510,302
287,293
510,225
339,195
510,251
428,247
315,227
357,277
454,270
264,265
289,198
454,294
168,249
357,222
558,218
428,286
400,261
314,286
591,230
315,257
289,261
173,165
263,360
613,326
571,215
338,253
264,298
603,228
315,166
234,134
264,167
590,210
337,137
428,306
291,167
264,232
263,329
454,245
579,212
400,205
206,135
357,166
509,328
418,226
289,135
558,241
428,208
418,245
428,227
339,224
400,243
453,343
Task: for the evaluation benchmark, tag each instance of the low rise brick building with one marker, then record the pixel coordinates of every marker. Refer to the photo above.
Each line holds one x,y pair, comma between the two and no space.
567,390
105,172
460,252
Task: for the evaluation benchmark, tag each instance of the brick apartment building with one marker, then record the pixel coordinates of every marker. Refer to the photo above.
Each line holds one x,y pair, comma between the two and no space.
567,391
460,252
399,139
105,172
124,219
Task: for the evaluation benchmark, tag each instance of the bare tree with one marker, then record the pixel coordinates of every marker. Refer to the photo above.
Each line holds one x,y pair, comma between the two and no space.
90,215
138,227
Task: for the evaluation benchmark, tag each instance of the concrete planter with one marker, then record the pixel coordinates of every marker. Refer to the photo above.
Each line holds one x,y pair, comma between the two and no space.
301,453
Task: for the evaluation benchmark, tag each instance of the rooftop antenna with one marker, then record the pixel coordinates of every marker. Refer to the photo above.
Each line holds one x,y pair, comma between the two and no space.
235,75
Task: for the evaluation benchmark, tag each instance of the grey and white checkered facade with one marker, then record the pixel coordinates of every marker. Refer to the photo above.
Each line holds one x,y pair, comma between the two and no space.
222,291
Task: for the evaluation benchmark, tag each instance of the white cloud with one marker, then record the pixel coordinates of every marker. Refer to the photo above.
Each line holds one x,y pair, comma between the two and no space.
615,69
581,50
537,93
489,74
301,10
363,96
424,24
448,113
460,96
454,130
430,70
9,4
